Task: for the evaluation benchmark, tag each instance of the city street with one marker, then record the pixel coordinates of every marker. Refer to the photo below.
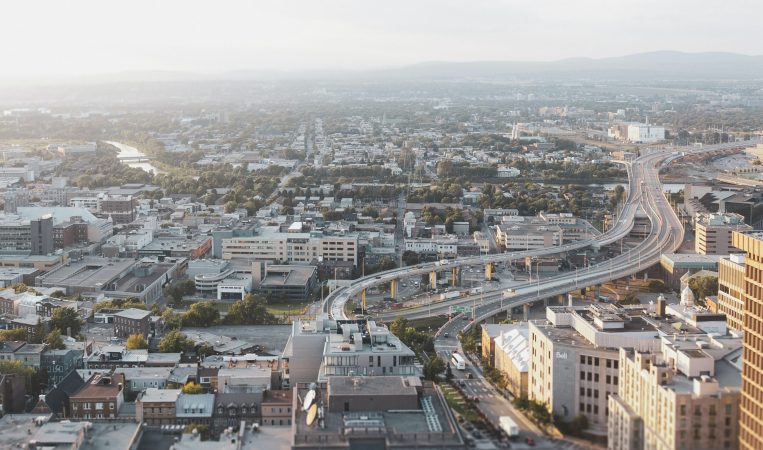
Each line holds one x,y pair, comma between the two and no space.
492,403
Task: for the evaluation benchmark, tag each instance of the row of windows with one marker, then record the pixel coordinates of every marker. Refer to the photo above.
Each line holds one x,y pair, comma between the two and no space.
87,406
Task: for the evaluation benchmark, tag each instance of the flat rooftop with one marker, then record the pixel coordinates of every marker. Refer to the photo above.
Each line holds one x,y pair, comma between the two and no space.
288,275
178,243
379,386
432,426
134,313
691,260
131,282
92,272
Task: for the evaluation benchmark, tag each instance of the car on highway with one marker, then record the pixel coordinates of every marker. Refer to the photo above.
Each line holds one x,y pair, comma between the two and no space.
446,335
530,441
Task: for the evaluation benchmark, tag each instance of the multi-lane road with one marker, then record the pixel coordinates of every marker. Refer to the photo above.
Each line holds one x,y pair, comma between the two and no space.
334,303
644,192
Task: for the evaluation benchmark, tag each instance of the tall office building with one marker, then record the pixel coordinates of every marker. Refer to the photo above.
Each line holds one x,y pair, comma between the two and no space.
731,290
751,408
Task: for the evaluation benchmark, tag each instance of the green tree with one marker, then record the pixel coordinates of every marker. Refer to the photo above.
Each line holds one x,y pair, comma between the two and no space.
175,342
410,258
205,350
656,286
230,206
629,299
54,340
18,368
202,429
703,287
20,288
434,368
471,340
250,310
192,388
66,320
17,334
136,341
171,320
201,314
120,303
385,263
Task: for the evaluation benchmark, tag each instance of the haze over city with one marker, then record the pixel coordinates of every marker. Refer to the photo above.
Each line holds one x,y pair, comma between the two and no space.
398,225
50,38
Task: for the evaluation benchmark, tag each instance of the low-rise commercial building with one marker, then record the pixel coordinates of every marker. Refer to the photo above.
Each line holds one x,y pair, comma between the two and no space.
512,358
527,233
288,282
113,277
393,413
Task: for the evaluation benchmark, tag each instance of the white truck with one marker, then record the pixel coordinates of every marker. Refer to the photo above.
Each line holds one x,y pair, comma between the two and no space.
450,295
476,290
508,425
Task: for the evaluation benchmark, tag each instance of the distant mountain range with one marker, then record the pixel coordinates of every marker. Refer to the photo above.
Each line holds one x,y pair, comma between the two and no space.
652,66
660,65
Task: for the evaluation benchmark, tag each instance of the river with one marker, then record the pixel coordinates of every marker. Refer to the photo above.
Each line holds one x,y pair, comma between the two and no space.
127,151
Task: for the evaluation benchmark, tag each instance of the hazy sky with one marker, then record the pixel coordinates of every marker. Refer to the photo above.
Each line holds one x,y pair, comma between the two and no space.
54,37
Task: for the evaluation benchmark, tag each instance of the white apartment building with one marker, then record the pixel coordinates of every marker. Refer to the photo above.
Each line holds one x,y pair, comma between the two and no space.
321,348
645,133
271,245
443,245
527,233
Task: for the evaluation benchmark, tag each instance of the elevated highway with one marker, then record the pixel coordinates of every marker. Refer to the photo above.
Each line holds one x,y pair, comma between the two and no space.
645,191
334,303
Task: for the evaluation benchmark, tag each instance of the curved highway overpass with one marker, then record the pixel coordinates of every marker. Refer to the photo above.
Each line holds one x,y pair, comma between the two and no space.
645,191
334,303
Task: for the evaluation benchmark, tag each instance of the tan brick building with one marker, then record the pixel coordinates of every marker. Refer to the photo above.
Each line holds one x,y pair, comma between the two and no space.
731,289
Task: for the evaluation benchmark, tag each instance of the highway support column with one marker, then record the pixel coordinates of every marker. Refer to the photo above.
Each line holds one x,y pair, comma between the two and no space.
488,271
433,280
363,300
455,276
393,289
526,312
